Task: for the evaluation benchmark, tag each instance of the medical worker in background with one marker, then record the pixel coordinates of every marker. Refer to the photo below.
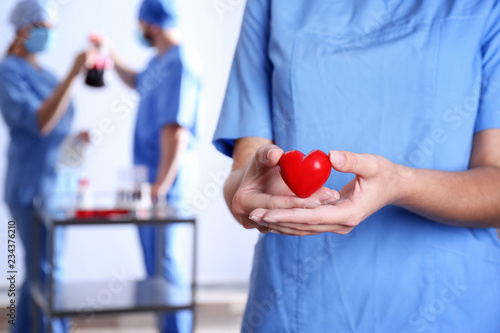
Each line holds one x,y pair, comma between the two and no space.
38,112
166,129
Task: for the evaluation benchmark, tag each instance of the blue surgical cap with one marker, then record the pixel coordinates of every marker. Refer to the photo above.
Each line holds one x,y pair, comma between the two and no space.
29,12
162,13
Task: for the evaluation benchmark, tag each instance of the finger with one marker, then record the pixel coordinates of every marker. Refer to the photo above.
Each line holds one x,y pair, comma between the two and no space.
84,136
262,225
326,196
263,216
268,155
268,201
338,213
95,38
263,230
364,165
154,198
312,228
290,231
257,214
249,224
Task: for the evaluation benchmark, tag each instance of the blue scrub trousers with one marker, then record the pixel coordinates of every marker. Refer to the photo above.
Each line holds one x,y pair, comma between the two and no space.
180,321
24,218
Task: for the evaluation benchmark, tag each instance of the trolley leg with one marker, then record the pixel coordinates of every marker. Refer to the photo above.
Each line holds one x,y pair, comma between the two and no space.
195,264
159,272
159,249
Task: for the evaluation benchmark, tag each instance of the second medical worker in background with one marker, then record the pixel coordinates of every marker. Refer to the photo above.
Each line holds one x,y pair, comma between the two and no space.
165,132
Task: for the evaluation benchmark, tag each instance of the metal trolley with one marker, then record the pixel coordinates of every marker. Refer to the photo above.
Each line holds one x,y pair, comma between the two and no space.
68,299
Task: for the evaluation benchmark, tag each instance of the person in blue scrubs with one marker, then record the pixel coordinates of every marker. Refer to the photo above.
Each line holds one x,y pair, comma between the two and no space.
38,112
165,134
404,96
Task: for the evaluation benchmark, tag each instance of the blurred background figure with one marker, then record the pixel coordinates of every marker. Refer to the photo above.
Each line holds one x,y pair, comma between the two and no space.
98,253
38,112
165,131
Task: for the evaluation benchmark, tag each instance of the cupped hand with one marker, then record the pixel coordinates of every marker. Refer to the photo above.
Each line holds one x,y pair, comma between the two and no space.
157,191
106,48
263,188
375,185
99,40
84,60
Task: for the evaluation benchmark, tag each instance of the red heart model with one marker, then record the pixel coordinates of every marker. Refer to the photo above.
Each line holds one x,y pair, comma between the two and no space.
304,175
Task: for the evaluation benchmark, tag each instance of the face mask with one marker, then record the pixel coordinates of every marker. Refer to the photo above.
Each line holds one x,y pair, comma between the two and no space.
40,40
145,39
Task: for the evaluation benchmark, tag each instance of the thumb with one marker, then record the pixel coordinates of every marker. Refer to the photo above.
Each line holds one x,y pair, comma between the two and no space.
268,155
364,165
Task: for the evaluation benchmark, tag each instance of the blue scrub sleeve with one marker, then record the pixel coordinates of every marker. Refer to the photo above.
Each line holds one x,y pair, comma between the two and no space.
178,103
246,111
489,107
18,104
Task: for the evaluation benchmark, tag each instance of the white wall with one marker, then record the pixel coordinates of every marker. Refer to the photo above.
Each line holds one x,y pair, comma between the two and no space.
211,27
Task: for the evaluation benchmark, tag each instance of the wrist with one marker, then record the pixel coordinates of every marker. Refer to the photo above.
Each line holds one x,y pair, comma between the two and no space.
231,186
73,73
405,179
115,58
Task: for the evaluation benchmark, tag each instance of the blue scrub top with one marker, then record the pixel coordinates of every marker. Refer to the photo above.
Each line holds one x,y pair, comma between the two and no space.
408,80
32,158
169,90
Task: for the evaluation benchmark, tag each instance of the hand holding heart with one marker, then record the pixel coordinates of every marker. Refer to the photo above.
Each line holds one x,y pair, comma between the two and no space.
262,187
376,184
